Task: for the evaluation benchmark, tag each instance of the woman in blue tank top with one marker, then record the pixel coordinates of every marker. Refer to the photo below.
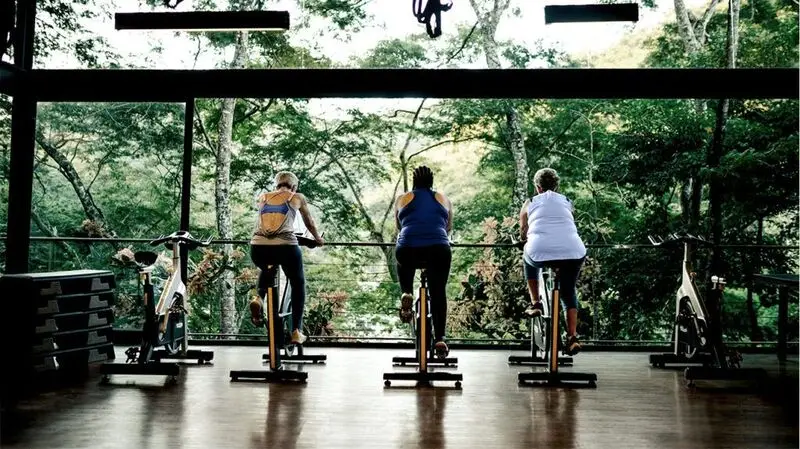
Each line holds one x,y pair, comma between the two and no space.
424,219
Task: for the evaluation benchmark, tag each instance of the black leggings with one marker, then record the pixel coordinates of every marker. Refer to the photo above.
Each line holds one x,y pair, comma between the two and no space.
436,260
290,259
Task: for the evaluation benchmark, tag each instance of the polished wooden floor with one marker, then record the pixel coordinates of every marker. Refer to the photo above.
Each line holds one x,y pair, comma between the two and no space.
345,405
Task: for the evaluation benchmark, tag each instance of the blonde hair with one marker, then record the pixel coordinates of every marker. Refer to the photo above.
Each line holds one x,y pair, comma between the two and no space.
546,179
286,178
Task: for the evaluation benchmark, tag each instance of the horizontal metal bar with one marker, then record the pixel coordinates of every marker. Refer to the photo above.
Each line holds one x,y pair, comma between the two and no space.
391,244
139,85
599,12
202,20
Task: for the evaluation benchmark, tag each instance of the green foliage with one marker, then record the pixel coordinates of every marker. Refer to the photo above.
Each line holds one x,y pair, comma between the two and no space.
623,164
396,53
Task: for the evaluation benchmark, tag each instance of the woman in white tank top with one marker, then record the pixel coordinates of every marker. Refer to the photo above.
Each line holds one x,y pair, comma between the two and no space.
547,226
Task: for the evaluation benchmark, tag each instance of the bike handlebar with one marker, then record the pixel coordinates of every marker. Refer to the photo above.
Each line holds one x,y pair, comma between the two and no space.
307,242
676,238
180,237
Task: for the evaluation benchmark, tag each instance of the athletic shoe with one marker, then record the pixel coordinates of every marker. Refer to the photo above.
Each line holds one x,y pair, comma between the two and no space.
440,349
257,312
573,345
406,301
298,338
535,310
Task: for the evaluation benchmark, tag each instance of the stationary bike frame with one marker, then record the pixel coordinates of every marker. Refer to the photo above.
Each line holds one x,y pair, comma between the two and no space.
173,288
554,322
540,329
277,371
423,328
422,322
690,332
274,335
157,332
285,314
688,289
552,377
174,291
706,317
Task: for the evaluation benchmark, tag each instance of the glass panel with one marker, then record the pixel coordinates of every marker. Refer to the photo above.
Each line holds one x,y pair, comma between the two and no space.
631,169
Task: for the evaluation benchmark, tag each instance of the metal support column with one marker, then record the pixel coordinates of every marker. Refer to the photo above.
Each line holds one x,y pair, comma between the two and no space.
186,184
23,147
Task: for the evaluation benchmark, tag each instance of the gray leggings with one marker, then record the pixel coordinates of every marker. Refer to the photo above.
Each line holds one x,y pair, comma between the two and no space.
569,269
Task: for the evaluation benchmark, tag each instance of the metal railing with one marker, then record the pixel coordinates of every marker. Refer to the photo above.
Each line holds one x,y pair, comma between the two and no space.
364,279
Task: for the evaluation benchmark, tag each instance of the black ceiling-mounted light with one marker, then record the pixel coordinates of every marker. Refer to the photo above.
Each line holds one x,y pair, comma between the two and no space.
601,12
203,21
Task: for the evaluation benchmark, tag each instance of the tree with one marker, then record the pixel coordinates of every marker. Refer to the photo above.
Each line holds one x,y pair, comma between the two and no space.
489,19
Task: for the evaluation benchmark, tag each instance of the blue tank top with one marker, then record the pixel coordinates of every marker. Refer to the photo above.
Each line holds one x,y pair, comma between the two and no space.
423,221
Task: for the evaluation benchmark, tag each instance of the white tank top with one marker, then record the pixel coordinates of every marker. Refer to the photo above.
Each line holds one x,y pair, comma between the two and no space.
552,234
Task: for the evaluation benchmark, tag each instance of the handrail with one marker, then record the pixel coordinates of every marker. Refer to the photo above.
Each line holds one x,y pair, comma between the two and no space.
390,244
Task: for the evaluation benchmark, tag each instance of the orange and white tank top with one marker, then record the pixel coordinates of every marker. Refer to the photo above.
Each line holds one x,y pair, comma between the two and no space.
268,230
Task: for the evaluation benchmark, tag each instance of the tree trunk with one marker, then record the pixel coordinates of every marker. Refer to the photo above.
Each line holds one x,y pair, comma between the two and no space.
516,140
716,149
693,34
97,226
222,187
755,329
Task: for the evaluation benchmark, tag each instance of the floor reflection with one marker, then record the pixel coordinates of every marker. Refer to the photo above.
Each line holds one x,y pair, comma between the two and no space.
553,418
431,404
284,420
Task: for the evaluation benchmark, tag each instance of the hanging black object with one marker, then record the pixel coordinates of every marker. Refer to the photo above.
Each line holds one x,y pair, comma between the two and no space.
433,8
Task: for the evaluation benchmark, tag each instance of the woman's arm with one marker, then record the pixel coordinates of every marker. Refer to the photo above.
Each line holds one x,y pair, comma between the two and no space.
449,216
308,219
523,221
449,206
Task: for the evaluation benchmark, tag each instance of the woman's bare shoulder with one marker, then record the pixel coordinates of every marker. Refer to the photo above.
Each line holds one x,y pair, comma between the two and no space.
442,198
403,199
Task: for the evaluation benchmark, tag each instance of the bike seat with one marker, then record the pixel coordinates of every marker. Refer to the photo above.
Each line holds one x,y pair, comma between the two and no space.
145,258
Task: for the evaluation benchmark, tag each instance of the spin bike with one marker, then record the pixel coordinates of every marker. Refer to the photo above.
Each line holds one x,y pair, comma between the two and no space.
279,328
164,322
552,376
423,343
285,315
540,356
697,333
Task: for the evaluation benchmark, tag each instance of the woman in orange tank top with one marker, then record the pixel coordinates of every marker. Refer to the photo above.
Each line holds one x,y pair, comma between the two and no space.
274,243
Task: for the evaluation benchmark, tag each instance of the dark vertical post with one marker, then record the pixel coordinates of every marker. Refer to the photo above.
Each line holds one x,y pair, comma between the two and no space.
23,146
783,314
186,184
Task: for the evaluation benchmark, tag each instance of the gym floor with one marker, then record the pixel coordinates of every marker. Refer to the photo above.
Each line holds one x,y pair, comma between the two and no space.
345,405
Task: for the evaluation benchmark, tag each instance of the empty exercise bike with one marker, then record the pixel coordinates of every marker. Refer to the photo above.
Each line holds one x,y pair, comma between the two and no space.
165,323
423,342
279,327
540,324
689,334
552,376
697,331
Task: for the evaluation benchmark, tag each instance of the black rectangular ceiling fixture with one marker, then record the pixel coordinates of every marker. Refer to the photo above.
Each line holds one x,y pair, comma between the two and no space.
203,20
604,12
